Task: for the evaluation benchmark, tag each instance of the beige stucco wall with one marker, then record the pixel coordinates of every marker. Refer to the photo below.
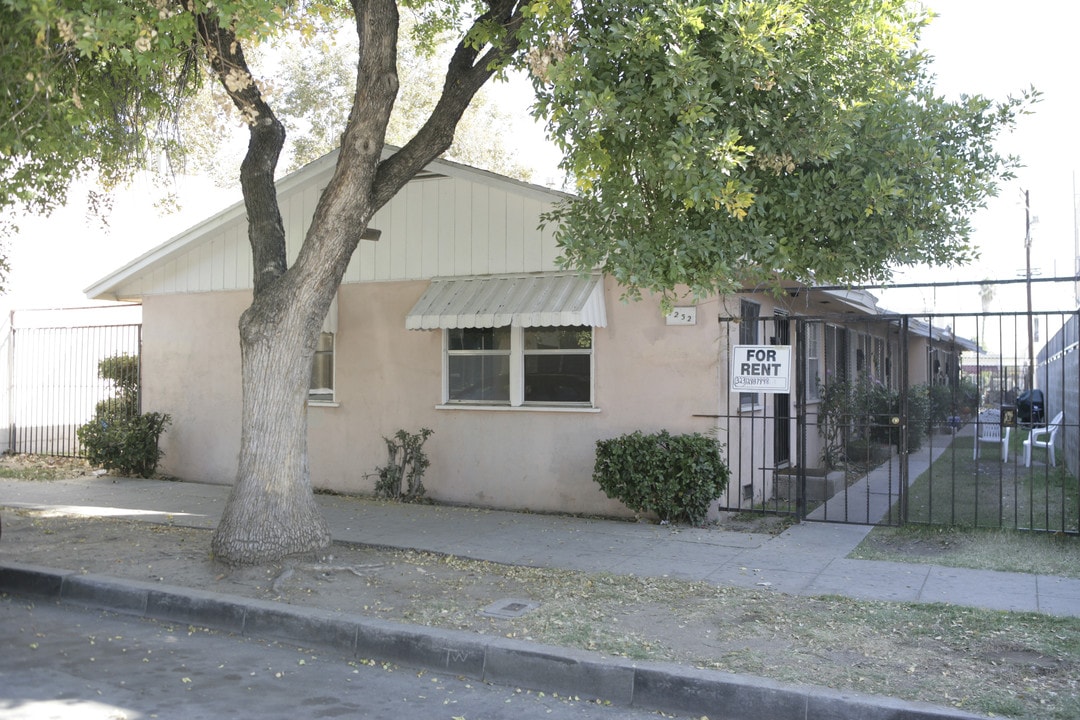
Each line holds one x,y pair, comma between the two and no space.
648,376
191,370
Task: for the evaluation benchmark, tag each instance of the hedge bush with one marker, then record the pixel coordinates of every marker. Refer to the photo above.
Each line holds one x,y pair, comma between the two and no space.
862,410
127,444
118,437
676,477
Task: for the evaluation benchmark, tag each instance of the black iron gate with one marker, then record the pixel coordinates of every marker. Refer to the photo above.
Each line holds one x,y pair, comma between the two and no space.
936,419
54,384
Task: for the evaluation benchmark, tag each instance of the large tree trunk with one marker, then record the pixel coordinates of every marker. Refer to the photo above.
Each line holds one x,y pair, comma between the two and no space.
271,512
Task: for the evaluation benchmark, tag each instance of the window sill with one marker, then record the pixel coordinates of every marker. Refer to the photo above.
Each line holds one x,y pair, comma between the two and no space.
521,408
323,403
748,409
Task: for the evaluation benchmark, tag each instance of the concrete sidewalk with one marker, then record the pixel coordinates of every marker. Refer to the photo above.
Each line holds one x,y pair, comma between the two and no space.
807,559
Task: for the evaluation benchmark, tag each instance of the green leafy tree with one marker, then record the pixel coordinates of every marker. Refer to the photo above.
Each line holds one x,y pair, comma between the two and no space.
86,87
716,143
720,139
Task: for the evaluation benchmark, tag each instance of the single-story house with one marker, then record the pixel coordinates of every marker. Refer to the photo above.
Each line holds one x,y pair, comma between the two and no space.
458,318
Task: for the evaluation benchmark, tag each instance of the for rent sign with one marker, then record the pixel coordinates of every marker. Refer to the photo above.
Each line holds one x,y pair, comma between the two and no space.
761,368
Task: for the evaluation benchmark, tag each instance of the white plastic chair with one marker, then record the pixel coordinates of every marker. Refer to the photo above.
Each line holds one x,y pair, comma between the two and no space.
1050,432
988,426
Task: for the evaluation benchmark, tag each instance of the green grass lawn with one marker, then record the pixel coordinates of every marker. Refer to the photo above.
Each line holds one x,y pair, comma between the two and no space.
1037,553
964,513
989,493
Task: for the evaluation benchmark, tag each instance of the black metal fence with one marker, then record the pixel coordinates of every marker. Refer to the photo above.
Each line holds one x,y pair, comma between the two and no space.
936,419
55,384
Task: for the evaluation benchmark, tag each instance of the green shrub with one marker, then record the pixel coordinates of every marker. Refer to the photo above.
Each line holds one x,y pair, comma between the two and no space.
675,477
118,437
949,401
126,444
123,371
862,410
918,413
402,476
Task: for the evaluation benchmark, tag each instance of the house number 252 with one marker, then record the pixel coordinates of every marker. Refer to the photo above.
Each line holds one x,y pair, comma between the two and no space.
682,316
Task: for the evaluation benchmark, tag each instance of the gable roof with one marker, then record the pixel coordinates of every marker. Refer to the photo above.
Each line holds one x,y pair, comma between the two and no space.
440,223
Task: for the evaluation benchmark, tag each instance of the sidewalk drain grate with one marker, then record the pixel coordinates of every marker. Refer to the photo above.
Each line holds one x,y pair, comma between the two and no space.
509,608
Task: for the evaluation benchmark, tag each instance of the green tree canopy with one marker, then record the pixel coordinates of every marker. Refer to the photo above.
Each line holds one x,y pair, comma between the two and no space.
724,142
87,87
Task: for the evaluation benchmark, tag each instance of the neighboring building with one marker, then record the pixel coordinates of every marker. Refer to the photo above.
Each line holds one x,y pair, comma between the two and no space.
459,319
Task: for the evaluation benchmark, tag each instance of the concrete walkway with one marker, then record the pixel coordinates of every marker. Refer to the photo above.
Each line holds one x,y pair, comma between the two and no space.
807,559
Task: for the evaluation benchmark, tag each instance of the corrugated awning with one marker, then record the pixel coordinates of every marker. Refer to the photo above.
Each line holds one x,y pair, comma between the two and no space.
543,300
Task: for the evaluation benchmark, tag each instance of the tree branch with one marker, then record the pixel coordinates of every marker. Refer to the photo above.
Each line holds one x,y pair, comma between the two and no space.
345,206
466,73
266,232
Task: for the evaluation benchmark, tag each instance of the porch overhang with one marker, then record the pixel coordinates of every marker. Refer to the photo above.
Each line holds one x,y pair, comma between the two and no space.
525,300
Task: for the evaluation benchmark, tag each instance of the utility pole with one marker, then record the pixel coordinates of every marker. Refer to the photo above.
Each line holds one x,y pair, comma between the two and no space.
1030,378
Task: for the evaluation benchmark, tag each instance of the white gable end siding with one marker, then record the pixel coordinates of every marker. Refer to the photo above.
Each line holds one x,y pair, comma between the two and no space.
442,226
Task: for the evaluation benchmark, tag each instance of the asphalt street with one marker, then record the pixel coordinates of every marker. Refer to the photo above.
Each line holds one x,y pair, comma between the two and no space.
66,662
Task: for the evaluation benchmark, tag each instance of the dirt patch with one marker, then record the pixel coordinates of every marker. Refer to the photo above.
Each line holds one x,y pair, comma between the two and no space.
1001,663
884,545
43,467
763,523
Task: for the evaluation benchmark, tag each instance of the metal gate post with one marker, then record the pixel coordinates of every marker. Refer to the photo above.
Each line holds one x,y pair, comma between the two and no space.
904,389
800,417
10,380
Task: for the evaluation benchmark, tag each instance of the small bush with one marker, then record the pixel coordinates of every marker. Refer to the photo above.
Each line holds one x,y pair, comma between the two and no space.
118,437
676,477
863,410
402,476
123,371
127,444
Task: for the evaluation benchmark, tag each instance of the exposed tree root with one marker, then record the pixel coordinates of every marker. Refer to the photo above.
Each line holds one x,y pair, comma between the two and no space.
357,570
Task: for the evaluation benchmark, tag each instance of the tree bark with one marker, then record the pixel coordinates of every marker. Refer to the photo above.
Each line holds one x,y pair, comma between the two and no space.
271,511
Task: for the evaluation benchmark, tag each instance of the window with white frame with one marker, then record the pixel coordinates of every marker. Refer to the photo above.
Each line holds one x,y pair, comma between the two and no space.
879,360
321,389
558,365
478,365
863,355
836,354
519,366
322,370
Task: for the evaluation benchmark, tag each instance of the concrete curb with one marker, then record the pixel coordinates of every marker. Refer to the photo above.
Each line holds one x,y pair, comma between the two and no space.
655,686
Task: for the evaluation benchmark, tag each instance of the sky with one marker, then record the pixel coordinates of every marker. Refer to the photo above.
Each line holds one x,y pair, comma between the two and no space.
987,47
997,49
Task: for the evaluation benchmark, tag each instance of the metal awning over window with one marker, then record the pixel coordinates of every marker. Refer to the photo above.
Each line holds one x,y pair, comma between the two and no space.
541,300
